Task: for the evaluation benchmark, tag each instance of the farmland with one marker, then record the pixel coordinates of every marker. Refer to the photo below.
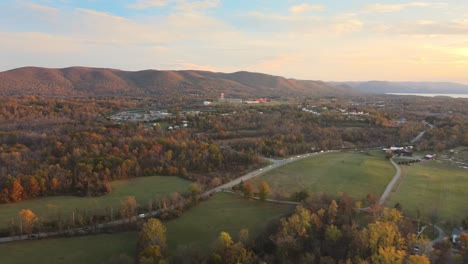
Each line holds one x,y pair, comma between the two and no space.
201,225
89,249
436,188
144,189
354,173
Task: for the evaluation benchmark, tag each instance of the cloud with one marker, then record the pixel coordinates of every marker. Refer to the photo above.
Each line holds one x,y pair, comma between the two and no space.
305,7
193,66
185,5
41,8
348,26
197,5
144,4
276,62
428,27
383,8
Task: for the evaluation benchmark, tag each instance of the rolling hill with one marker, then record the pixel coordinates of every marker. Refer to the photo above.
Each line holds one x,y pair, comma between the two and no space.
408,87
82,81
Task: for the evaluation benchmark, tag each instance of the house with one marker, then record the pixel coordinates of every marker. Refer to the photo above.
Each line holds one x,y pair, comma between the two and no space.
456,233
429,157
393,149
407,153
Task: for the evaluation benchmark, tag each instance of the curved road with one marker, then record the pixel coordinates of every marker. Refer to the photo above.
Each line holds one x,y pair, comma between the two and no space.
441,237
250,175
391,184
276,164
387,192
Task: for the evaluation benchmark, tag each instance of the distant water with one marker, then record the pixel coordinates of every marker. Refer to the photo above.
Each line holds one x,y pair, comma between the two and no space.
432,95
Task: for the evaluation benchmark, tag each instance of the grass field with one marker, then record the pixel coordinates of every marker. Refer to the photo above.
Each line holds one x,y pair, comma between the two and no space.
144,189
433,187
94,249
356,174
201,225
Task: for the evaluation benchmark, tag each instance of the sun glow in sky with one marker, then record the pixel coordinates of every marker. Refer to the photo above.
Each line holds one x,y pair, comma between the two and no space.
320,40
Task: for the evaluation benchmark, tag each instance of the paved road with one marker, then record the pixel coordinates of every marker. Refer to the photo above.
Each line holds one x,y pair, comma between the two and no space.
275,164
250,175
391,184
441,237
418,137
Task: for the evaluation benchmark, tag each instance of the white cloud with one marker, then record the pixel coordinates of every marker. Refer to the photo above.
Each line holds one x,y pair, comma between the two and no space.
143,4
305,7
185,5
193,66
382,8
428,28
197,5
41,8
348,26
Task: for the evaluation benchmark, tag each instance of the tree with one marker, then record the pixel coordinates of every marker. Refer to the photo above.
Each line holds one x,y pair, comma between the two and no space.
224,241
128,208
417,259
27,221
248,190
383,236
152,242
16,192
388,255
332,211
263,190
195,191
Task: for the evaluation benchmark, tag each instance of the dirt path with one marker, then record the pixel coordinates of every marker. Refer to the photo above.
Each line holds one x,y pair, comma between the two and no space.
390,186
441,237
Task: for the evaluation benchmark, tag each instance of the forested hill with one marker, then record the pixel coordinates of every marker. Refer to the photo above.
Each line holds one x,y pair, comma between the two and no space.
81,81
407,87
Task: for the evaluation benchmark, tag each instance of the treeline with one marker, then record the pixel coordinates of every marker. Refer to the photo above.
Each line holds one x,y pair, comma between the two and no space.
52,146
81,157
84,162
321,231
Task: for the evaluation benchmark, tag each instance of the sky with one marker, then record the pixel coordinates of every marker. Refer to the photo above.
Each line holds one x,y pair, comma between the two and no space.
330,40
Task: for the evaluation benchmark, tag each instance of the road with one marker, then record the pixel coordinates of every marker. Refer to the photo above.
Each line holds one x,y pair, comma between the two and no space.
441,237
390,186
418,137
387,192
250,175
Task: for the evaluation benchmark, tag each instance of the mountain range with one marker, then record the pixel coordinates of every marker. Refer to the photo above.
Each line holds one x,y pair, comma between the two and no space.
407,87
82,81
85,81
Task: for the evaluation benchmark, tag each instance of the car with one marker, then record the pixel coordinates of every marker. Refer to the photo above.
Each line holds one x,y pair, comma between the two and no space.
141,215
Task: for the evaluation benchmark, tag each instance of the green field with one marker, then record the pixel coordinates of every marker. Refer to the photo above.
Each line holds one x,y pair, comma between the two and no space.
88,249
144,189
433,187
356,174
201,225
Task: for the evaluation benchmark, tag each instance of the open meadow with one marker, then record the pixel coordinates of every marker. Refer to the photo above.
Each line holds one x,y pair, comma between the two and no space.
95,249
144,189
197,227
436,188
356,174
201,225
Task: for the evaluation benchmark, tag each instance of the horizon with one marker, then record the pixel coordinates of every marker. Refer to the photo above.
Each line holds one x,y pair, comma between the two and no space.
286,77
395,41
